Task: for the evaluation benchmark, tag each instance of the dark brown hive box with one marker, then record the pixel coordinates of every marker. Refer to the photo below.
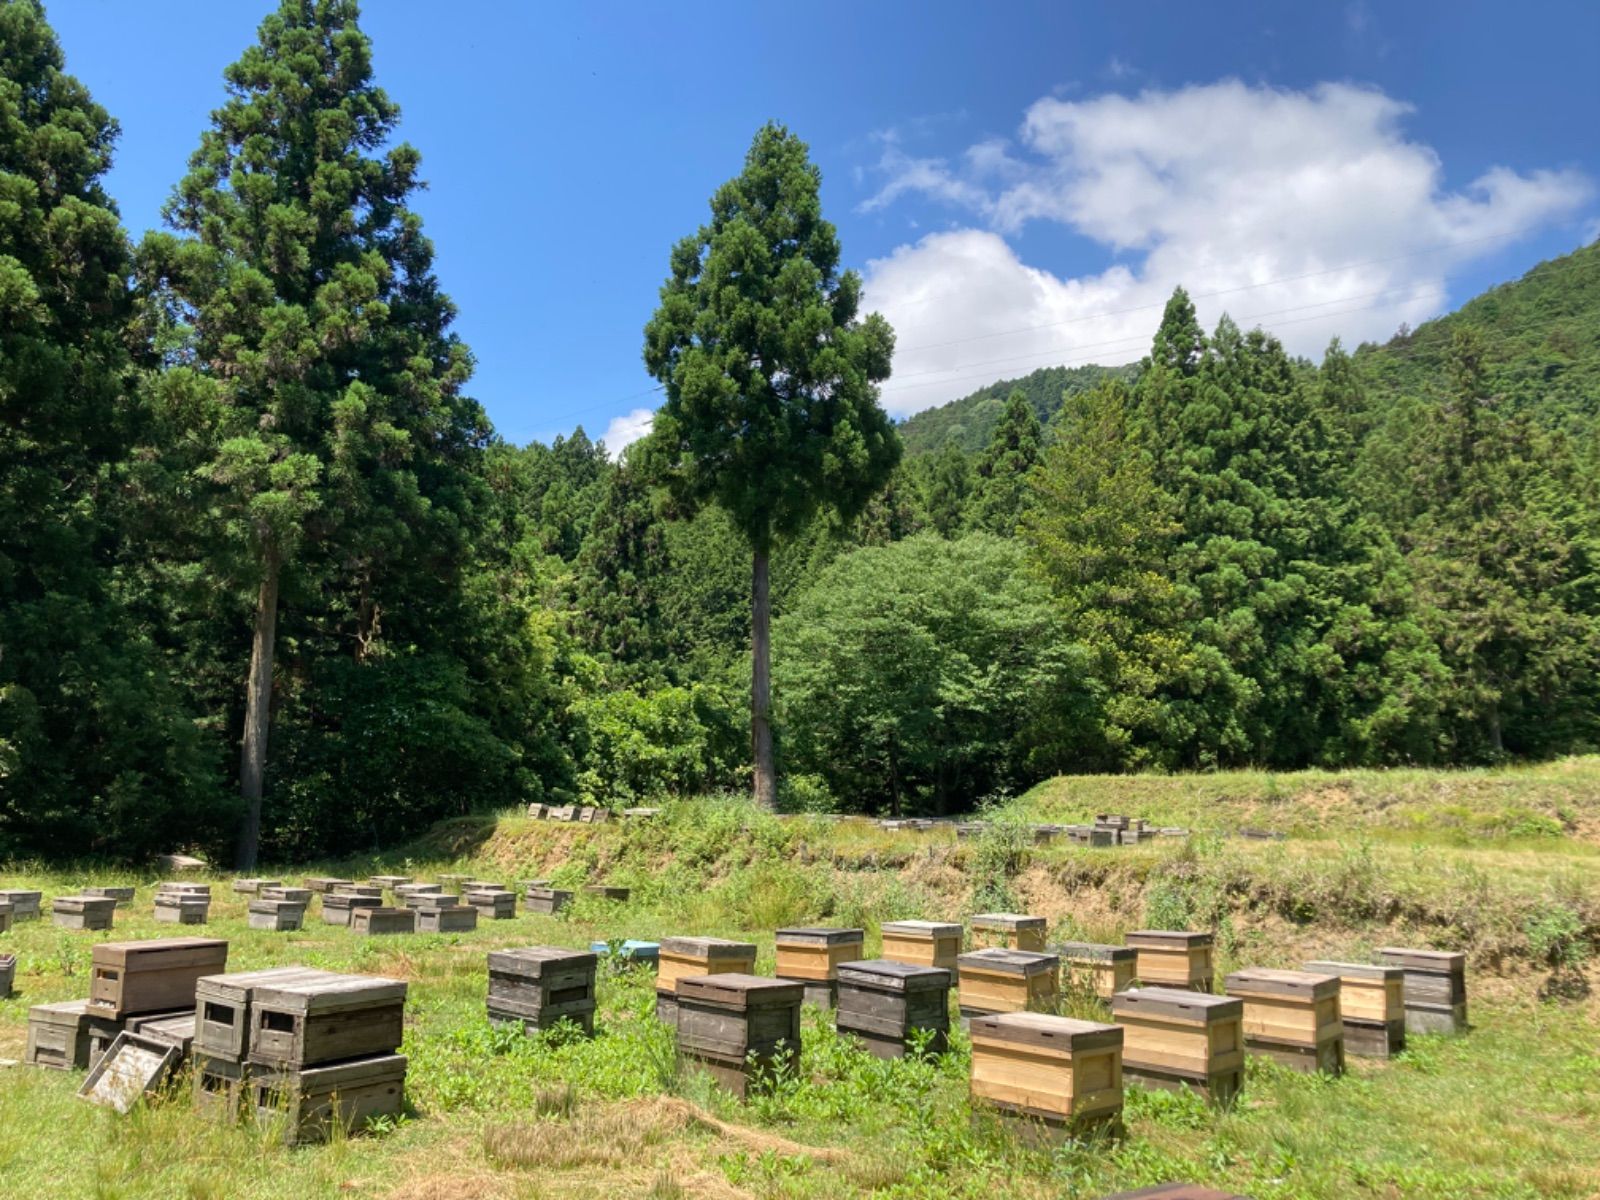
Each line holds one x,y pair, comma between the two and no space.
885,1003
541,985
298,1024
736,1027
548,900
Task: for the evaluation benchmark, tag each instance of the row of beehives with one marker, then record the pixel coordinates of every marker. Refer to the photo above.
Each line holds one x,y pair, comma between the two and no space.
1107,829
585,814
311,1048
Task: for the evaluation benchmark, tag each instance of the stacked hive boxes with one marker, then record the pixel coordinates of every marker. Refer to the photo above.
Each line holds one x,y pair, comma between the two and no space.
338,904
1372,1006
740,1029
1177,1038
122,895
1292,1017
687,957
811,957
183,903
540,985
1435,988
491,901
1055,1071
890,1006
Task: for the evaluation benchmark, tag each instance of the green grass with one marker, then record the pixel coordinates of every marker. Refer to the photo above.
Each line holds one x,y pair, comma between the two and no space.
1511,1110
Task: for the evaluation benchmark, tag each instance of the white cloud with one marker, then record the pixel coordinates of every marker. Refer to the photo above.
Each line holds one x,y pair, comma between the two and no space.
627,429
1309,213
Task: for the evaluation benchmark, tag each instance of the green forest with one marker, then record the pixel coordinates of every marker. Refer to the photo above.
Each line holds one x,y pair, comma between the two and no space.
270,583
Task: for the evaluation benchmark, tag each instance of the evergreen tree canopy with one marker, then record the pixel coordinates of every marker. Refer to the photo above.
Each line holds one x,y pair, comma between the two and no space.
1002,469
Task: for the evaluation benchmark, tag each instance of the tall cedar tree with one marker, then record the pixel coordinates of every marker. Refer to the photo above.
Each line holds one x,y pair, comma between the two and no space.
1002,468
771,381
312,351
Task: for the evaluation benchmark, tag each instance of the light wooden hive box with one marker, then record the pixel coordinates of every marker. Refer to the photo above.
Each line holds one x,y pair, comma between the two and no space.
736,1027
688,957
1435,988
812,955
1179,1038
1292,1017
1174,958
885,1004
301,1023
1001,981
158,975
1008,931
1060,1071
536,986
1100,969
1372,1005
922,943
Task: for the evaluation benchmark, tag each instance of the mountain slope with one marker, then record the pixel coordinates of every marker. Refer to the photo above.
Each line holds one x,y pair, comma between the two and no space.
970,421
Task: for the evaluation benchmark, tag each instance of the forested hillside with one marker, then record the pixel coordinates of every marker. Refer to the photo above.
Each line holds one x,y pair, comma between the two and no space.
261,551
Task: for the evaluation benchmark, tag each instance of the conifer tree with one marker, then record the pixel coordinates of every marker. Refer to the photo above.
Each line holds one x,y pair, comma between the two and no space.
771,407
621,571
1002,469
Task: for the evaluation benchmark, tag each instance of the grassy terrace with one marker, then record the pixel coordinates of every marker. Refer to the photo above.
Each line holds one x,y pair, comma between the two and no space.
1503,864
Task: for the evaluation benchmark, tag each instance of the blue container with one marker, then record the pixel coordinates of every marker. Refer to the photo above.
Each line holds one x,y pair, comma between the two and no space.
644,952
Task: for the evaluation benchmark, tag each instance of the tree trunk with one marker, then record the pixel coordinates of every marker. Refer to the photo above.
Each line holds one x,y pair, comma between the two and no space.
257,714
761,685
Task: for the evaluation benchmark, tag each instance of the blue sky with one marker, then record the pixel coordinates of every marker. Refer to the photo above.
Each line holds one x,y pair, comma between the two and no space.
1021,184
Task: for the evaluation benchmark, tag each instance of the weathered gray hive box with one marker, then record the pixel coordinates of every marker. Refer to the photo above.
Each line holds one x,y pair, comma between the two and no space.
277,916
738,1027
58,1035
222,1007
306,1023
888,1005
322,884
1435,988
299,895
182,908
538,986
83,912
24,903
158,975
548,900
495,904
337,906
252,887
442,917
122,895
374,921
312,1101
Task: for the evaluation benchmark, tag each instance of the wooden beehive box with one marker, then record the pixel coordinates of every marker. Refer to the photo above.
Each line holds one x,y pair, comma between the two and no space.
184,888
312,1101
494,904
6,916
922,943
298,895
603,891
122,895
1058,1070
337,906
419,889
277,916
367,891
541,985
389,882
83,912
1435,988
686,957
158,975
58,1036
306,1023
373,921
1292,1017
1372,1004
102,1032
222,1007
8,974
323,884
1088,835
812,956
182,908
24,903
1008,931
1179,1038
738,1027
1097,969
1178,958
888,1004
997,980
252,887
445,918
174,1029
548,900
219,1085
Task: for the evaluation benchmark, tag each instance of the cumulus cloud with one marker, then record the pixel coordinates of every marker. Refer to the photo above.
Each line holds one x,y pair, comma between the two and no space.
1307,212
627,429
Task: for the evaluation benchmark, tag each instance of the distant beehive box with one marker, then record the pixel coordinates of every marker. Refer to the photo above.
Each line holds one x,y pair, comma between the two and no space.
1372,1004
687,957
452,883
83,912
445,918
418,901
1435,988
297,895
548,900
222,1007
888,1005
1292,1017
58,1036
811,955
277,916
1099,969
496,904
252,887
313,1101
594,816
922,943
158,975
8,974
997,980
322,884
1178,1038
374,921
367,891
179,887
1088,835
538,986
337,906
739,1028
1008,931
389,882
122,895
1060,1071
603,891
310,1022
419,889
1178,958
24,903
967,830
182,908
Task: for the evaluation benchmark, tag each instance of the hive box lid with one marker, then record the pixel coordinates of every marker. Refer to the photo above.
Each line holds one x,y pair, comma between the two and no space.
708,947
1007,921
532,960
1265,981
733,990
79,903
1011,962
60,1012
161,953
1047,1032
1160,939
1444,962
1377,973
1177,1003
1095,952
883,975
922,929
331,993
241,986
808,936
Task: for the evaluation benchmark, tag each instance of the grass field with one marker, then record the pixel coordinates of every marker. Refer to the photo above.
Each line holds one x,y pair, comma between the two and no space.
1511,1110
